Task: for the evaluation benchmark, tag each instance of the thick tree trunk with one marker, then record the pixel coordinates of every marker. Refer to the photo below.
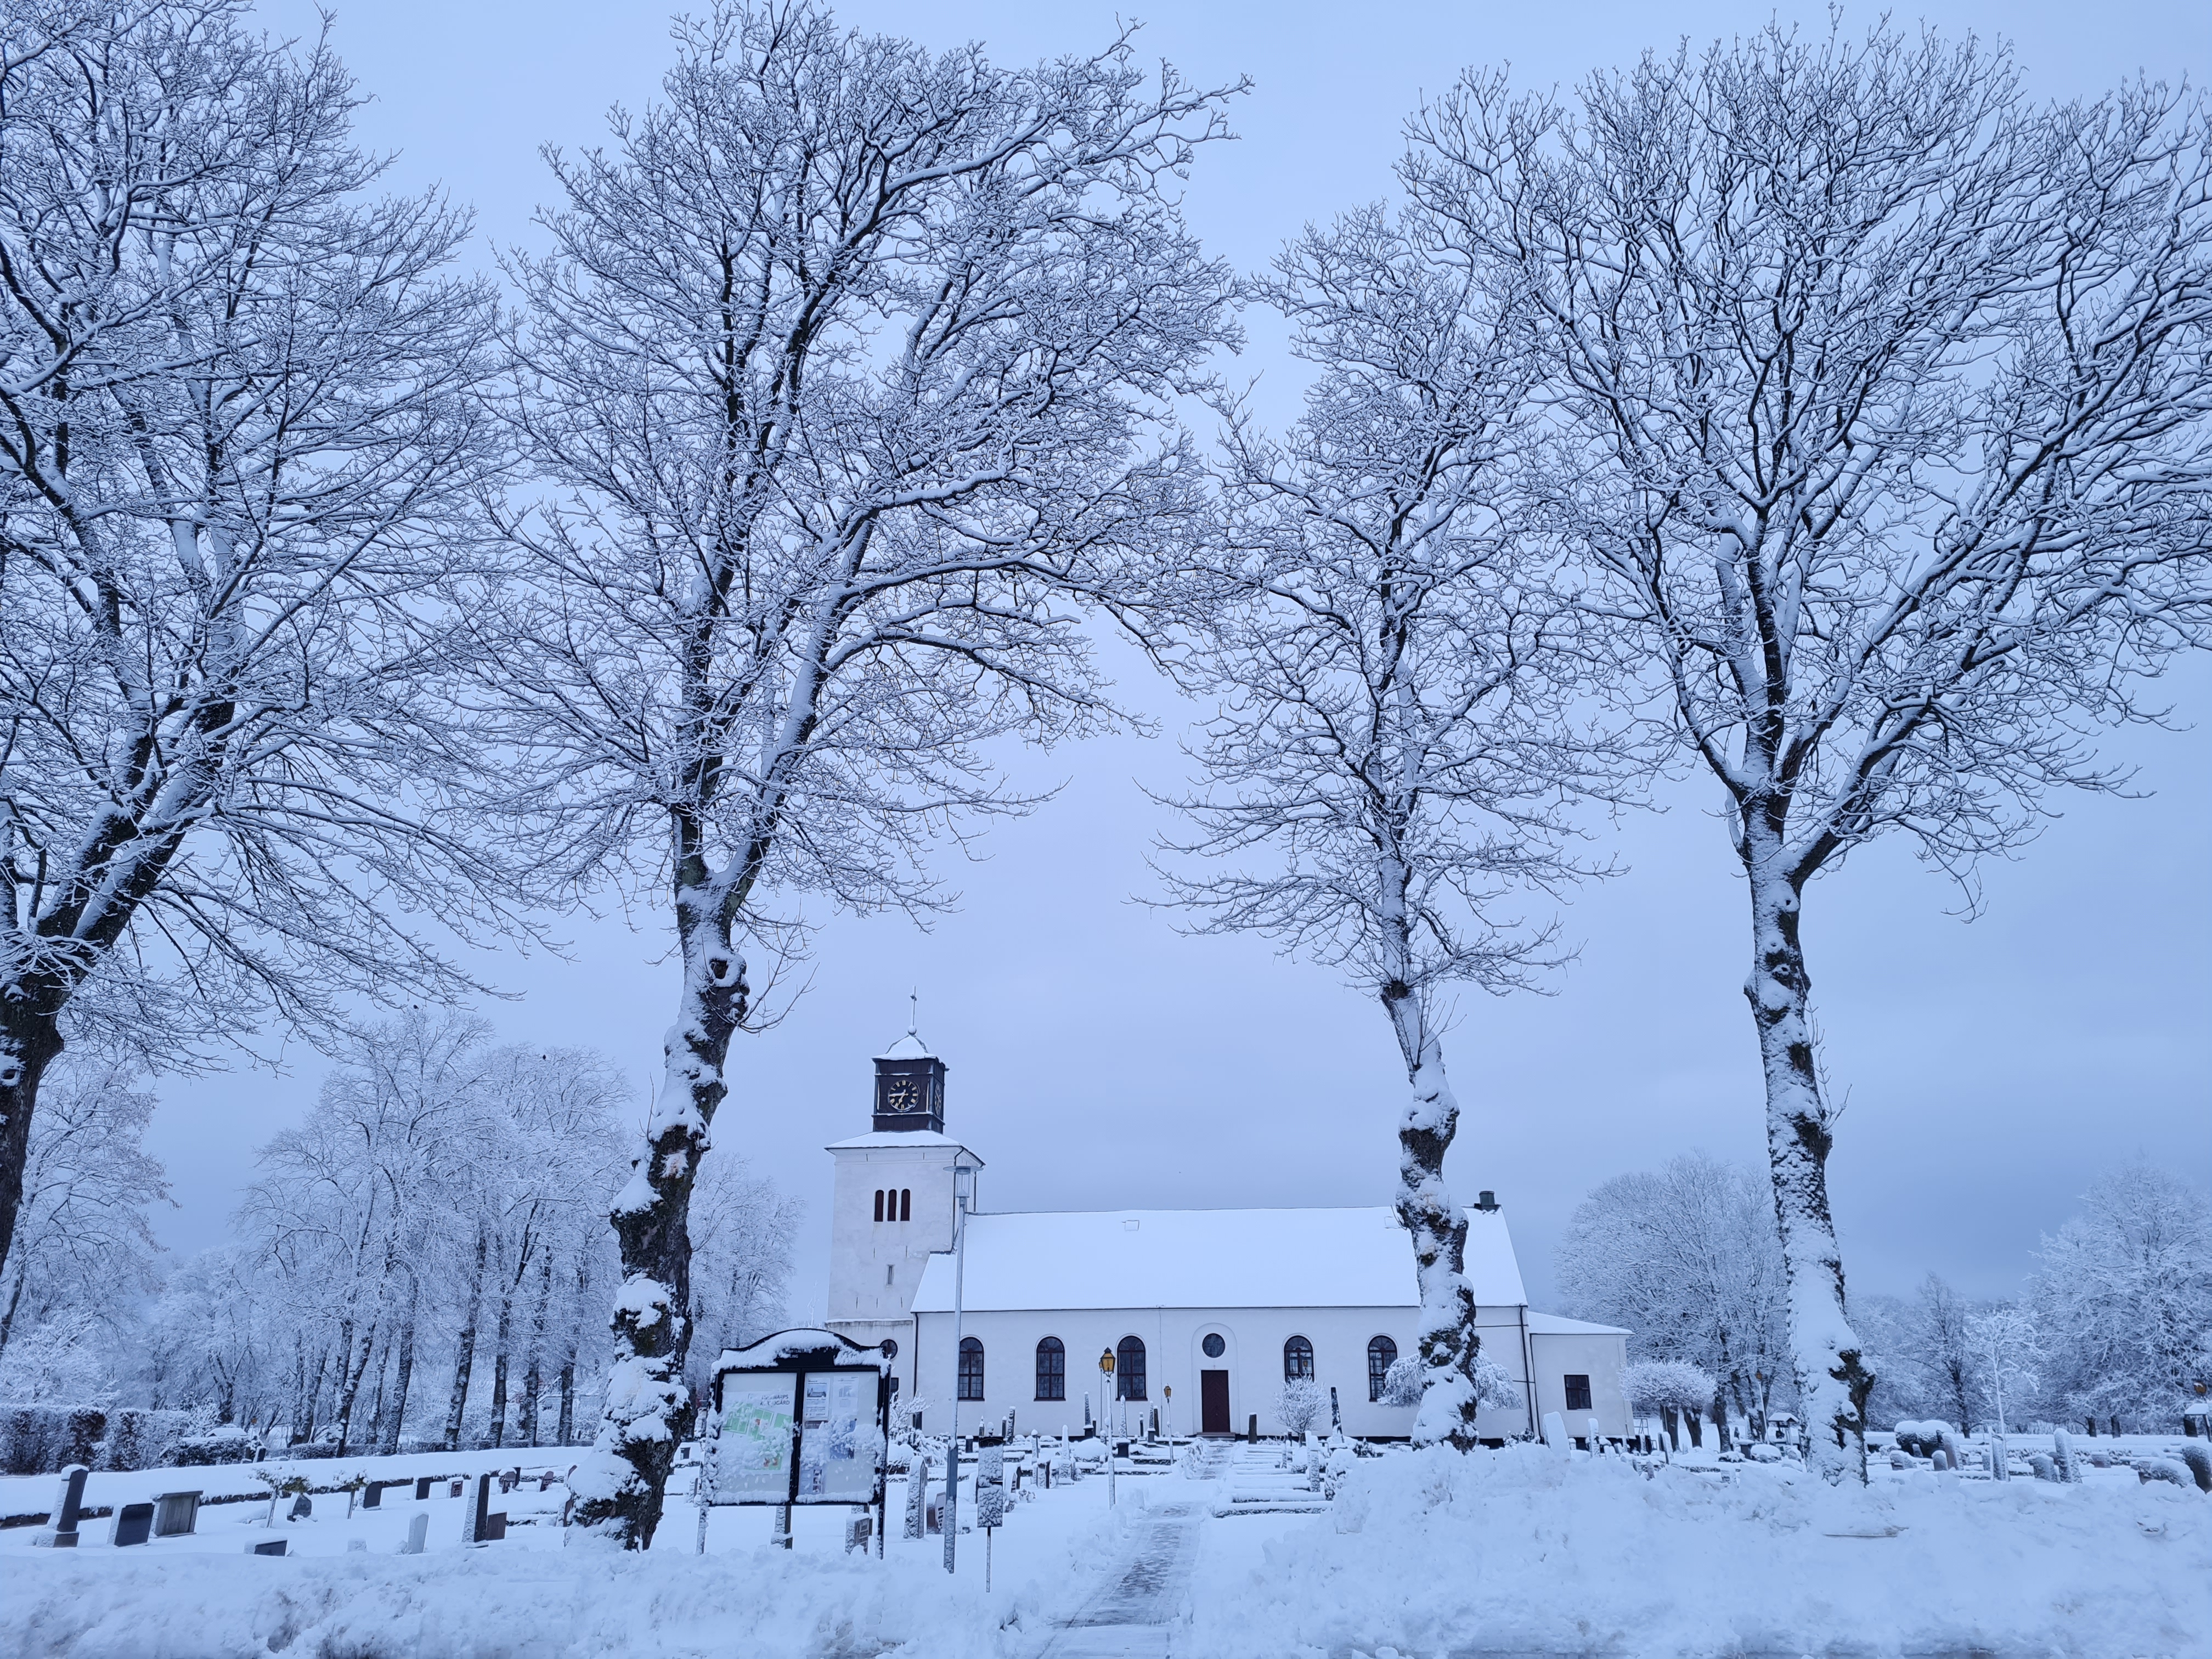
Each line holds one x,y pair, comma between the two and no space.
533,1380
349,1380
620,1484
564,1428
503,1330
1447,1336
395,1425
465,1350
1833,1378
30,1042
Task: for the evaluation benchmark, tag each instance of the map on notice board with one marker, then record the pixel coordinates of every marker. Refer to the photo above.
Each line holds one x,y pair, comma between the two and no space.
753,1457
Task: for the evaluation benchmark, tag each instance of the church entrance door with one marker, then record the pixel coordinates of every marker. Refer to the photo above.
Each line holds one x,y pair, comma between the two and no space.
1213,1402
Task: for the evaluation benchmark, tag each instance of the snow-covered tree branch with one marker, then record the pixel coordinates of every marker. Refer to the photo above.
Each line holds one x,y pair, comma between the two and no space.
239,430
1388,774
1887,397
848,378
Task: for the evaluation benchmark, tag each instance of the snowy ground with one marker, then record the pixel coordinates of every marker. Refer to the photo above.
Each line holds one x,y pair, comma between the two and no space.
1518,1552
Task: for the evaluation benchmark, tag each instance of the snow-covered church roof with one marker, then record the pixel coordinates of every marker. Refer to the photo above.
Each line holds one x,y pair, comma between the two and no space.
1348,1258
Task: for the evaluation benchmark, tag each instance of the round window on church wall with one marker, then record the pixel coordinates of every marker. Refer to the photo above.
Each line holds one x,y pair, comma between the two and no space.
890,1347
1213,1345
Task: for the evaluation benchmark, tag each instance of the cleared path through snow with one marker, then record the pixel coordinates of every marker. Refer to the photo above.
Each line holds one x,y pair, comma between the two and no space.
1136,1612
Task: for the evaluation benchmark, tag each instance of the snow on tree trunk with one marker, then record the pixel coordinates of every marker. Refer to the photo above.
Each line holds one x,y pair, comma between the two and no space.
30,1042
395,1424
464,1349
1832,1378
620,1486
1446,1334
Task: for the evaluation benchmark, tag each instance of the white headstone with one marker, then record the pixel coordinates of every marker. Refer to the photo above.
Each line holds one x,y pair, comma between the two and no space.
418,1527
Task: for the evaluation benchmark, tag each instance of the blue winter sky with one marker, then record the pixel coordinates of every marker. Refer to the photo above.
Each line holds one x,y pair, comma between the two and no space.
1098,1059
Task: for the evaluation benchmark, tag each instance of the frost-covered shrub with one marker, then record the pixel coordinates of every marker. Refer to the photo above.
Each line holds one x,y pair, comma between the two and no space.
2198,1457
43,1439
139,1439
2172,1470
1300,1405
228,1443
1924,1439
1402,1383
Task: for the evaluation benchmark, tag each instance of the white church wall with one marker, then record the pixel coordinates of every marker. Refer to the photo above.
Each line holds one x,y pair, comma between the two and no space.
1599,1356
1253,1355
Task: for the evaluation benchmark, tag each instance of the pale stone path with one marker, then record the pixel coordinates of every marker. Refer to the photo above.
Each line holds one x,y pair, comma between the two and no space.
1135,1613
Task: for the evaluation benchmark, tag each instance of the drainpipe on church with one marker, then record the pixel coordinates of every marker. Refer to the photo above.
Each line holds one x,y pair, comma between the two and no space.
959,1284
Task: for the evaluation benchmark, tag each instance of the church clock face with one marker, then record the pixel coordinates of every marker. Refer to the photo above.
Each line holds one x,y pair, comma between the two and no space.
902,1094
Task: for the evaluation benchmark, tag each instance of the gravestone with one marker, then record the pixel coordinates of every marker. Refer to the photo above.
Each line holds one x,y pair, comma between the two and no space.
134,1524
61,1532
176,1514
270,1546
303,1508
456,1491
372,1496
418,1527
423,1489
507,1480
481,1525
357,1547
859,1529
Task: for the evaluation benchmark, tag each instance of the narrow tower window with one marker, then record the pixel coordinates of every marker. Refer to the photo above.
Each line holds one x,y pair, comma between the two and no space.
906,1204
879,1204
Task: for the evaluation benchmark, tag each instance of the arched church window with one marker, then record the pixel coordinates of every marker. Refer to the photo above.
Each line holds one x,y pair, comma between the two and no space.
971,1368
1052,1369
1129,1370
1297,1360
906,1204
1381,1355
879,1204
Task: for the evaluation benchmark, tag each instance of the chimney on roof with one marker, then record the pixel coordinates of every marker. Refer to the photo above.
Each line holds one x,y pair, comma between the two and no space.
1485,1199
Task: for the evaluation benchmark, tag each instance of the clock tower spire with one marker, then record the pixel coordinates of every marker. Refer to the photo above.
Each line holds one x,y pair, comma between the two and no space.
910,1088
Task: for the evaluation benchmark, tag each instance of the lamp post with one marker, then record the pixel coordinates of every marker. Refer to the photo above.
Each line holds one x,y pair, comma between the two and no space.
959,1283
1105,1423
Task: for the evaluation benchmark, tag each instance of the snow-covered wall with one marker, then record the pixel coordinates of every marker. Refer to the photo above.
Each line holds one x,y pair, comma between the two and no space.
1252,1343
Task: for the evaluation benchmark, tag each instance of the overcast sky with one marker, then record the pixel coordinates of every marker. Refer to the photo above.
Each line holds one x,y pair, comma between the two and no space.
1097,1058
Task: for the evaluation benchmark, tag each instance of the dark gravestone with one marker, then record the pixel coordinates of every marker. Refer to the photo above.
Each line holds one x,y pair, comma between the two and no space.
1252,1428
372,1496
134,1524
423,1489
481,1525
69,1507
303,1508
506,1483
272,1547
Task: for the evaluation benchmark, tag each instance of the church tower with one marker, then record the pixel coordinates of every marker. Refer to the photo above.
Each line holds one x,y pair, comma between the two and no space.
891,1204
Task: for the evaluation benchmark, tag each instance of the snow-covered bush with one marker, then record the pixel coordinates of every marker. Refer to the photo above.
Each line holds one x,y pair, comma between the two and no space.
1671,1390
41,1439
1300,1405
2198,1457
1402,1383
2171,1470
138,1439
228,1443
1492,1386
1924,1439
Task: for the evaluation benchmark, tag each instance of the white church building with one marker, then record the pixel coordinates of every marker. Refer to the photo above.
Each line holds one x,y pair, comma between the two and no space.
1206,1312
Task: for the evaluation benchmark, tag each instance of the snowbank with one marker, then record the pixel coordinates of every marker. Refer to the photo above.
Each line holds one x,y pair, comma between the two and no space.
1524,1551
489,1605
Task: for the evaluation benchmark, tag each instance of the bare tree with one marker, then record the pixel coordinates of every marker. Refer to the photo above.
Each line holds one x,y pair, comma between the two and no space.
86,1245
1886,394
1687,1257
238,425
1390,762
2123,1299
848,372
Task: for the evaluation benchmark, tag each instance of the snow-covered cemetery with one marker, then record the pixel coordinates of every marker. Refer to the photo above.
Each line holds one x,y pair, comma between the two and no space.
974,831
